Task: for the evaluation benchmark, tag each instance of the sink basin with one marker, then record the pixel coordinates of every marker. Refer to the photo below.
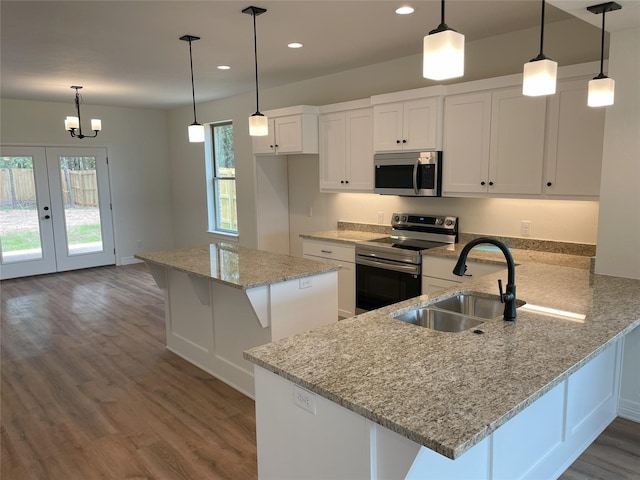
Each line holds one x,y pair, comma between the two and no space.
439,320
475,305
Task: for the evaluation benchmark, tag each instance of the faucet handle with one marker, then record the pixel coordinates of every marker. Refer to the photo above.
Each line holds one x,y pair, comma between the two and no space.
500,290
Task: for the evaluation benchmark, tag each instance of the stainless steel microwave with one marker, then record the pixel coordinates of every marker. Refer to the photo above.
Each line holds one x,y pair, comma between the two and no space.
414,174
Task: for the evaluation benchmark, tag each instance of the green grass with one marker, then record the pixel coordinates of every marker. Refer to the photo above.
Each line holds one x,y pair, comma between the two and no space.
77,234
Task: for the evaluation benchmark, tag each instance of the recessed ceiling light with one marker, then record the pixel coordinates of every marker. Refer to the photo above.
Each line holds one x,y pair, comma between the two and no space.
223,67
406,10
295,45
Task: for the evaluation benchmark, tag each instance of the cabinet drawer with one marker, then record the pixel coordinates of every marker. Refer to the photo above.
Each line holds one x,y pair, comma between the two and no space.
443,267
329,250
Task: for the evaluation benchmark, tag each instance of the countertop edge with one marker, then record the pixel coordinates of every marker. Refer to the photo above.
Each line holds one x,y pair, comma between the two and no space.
429,443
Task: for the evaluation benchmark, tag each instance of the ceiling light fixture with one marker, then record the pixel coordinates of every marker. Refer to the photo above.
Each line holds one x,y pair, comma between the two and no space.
540,73
196,131
443,52
73,124
404,10
602,88
295,45
223,67
258,123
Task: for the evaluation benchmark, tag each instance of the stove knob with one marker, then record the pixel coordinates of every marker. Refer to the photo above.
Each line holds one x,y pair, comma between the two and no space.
404,218
396,218
449,222
439,221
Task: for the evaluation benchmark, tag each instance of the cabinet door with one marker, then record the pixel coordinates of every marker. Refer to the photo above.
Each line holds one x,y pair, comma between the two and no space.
333,150
420,119
467,134
575,134
517,142
433,285
265,145
347,290
288,131
387,127
359,149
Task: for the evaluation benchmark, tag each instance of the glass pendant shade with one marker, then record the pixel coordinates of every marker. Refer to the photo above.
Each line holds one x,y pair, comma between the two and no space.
258,125
539,78
96,124
71,122
443,55
601,92
196,133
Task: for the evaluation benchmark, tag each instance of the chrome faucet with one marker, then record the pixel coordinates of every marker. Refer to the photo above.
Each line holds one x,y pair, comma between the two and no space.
509,296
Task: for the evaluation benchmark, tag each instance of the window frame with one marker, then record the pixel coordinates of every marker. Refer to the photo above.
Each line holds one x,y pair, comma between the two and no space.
213,198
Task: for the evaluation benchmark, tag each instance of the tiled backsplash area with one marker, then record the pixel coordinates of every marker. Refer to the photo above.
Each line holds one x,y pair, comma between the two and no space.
550,246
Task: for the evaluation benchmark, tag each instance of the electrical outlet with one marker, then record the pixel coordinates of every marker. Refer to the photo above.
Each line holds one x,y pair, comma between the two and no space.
525,228
380,218
304,399
305,283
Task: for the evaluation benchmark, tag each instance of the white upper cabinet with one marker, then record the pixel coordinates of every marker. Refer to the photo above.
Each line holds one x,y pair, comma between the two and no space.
408,125
493,143
517,142
575,134
467,136
346,150
289,134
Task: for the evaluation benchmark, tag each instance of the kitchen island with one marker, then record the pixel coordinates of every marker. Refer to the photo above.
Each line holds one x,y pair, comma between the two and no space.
373,397
221,299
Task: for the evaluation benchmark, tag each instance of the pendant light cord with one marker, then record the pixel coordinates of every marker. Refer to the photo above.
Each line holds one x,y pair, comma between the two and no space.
602,47
255,57
541,56
193,90
442,12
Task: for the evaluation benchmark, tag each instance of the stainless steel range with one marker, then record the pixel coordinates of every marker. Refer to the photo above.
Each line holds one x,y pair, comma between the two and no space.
388,270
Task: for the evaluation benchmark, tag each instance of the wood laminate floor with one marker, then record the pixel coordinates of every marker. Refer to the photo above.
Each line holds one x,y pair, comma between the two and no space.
89,391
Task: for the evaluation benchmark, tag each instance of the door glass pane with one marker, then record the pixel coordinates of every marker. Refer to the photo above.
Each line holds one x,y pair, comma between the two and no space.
20,238
81,207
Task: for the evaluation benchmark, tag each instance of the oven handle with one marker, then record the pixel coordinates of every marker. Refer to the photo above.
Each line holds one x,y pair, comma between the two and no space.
415,176
386,265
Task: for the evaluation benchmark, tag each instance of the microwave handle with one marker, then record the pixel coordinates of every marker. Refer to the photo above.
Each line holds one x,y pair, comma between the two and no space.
415,176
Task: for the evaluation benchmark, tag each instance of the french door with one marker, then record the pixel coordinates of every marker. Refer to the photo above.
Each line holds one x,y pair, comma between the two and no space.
55,210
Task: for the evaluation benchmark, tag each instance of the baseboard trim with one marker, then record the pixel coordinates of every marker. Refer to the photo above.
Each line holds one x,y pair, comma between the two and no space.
129,260
629,409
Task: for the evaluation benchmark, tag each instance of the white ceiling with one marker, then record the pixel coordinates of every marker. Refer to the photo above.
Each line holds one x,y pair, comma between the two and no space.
128,52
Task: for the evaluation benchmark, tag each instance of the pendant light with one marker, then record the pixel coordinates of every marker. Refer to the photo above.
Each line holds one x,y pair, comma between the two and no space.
602,88
258,123
196,131
443,52
73,124
540,73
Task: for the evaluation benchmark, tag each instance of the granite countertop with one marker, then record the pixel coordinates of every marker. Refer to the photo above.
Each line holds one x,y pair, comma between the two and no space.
448,391
523,250
237,266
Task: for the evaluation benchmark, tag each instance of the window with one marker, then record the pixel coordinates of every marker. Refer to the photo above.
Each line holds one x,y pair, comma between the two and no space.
221,169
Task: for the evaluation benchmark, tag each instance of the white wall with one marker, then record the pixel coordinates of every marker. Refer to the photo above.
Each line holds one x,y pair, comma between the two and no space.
569,42
136,141
619,228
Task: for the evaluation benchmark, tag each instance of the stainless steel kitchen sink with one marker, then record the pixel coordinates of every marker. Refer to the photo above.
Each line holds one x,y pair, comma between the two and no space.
458,312
440,320
474,305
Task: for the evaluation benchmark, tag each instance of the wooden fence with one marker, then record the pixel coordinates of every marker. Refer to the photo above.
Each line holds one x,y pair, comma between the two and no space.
83,191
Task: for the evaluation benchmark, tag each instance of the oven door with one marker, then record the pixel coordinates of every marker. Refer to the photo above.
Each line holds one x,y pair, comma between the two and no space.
380,283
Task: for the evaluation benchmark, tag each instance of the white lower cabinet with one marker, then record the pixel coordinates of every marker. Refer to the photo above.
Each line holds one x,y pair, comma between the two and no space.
437,273
304,435
345,255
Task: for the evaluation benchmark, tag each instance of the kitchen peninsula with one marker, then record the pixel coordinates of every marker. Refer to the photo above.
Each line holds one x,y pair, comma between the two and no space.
221,299
373,397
